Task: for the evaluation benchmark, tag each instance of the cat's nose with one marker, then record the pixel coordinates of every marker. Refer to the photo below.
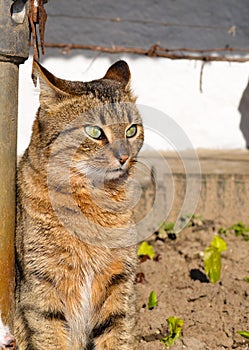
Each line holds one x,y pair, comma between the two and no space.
123,158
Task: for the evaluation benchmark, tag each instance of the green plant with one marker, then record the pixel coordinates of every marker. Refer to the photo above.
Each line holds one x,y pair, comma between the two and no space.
167,226
195,219
175,327
244,334
165,229
240,229
223,231
152,300
212,258
145,249
246,279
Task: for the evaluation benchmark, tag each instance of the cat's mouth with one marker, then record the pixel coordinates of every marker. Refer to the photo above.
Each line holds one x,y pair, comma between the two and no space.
102,174
113,174
116,170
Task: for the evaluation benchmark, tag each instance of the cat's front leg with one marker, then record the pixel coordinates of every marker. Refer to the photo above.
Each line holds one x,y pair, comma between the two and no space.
39,322
114,330
34,332
7,340
117,336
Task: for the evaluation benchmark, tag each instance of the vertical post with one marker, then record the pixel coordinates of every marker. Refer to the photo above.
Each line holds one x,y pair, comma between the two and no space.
14,49
8,127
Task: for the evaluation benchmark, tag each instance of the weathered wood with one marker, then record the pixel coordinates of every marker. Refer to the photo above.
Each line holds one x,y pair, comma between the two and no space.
8,130
14,31
14,49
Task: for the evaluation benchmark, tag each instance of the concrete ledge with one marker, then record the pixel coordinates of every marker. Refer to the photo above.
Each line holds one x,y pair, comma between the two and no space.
224,180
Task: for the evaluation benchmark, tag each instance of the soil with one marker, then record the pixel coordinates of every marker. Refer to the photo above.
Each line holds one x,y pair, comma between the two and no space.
212,313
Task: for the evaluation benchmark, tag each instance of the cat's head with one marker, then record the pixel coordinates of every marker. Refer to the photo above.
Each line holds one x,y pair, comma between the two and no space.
96,124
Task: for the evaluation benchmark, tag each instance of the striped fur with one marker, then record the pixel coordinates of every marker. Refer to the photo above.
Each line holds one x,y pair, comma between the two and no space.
74,286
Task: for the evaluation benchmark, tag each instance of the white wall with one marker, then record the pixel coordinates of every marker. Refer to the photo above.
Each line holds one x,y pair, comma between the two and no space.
210,119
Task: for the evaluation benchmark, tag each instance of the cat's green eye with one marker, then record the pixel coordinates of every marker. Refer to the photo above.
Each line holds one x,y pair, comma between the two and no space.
131,131
94,131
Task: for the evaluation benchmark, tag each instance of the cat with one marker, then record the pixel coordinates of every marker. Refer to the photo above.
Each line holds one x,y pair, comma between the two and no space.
75,245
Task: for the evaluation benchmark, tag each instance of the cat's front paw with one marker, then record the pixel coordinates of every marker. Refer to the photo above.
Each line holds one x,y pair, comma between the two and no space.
7,341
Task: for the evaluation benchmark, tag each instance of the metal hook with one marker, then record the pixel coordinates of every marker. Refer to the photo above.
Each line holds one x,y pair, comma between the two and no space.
18,11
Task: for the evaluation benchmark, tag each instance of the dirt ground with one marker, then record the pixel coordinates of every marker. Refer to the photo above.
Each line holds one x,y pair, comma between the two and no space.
212,313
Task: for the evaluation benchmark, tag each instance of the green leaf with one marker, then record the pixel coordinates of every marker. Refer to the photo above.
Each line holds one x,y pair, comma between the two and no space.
240,229
246,279
165,228
223,231
212,258
212,263
152,300
244,334
146,249
168,226
218,243
175,327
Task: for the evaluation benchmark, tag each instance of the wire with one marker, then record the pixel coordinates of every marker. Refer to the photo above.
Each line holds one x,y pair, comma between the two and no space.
206,55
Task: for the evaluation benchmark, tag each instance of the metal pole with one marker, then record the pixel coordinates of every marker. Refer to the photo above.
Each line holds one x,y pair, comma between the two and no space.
14,49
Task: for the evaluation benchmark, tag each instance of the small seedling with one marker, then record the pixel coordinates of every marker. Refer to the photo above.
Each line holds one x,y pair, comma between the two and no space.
175,327
167,226
165,229
240,229
244,334
246,279
145,249
194,219
212,258
223,231
152,300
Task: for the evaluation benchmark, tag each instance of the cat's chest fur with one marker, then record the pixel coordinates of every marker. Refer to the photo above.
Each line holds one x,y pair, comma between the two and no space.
87,287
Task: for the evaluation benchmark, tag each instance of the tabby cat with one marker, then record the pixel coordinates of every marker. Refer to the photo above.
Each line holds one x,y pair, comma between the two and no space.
75,252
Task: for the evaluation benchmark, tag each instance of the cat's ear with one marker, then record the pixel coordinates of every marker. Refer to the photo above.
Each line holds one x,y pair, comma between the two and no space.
120,72
51,87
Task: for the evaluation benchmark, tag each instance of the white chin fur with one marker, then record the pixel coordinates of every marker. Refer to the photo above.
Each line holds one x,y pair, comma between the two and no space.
100,175
114,175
